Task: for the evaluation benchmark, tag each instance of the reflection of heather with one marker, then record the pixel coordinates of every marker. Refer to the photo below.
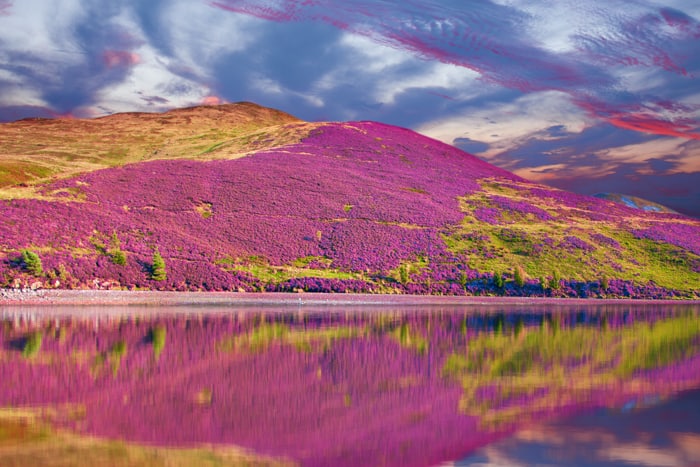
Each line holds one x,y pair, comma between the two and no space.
526,370
343,388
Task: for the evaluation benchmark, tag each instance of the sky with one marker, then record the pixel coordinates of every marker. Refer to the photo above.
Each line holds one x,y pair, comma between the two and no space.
593,96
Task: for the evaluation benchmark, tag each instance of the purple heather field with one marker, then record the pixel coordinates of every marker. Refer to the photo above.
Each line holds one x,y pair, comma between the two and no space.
329,387
359,199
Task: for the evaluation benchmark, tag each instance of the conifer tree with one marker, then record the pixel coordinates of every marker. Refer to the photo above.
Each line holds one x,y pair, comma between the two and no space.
158,267
498,280
519,276
32,263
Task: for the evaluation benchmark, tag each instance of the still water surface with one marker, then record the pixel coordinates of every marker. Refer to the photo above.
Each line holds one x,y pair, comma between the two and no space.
351,385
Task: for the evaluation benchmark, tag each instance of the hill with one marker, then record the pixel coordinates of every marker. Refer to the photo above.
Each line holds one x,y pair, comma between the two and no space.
635,202
238,197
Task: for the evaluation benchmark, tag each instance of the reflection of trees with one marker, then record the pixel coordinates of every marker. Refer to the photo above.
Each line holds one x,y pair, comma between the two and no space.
295,384
510,374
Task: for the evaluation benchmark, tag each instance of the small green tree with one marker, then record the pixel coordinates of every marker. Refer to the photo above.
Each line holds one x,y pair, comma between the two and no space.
158,339
544,283
463,279
498,280
32,263
404,272
158,267
604,284
555,280
32,345
118,257
519,276
115,252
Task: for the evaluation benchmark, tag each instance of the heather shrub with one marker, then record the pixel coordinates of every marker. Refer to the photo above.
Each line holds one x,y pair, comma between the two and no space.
32,263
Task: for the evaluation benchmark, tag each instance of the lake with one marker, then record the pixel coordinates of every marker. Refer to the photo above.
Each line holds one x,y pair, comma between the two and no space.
348,385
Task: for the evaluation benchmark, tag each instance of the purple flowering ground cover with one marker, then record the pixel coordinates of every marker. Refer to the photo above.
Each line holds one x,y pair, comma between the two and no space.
353,207
341,388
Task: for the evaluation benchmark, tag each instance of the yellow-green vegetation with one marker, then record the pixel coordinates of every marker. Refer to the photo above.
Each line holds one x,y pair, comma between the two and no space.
158,334
62,148
540,248
410,339
116,354
32,263
32,344
403,272
26,438
204,209
260,268
550,365
109,246
264,335
158,272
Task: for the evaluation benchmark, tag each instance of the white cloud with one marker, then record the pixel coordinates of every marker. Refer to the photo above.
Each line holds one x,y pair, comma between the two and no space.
389,72
199,34
504,125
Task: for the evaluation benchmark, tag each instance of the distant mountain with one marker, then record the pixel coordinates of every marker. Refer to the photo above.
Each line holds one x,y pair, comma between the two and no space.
635,202
239,197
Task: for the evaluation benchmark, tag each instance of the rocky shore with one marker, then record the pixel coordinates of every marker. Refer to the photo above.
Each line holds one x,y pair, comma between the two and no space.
57,297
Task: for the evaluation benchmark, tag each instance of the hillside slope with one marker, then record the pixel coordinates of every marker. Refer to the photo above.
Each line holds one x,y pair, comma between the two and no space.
355,206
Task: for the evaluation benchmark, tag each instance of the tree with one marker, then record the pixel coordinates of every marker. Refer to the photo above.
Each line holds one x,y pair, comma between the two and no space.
555,281
115,252
158,267
118,257
32,263
604,284
404,273
498,280
519,276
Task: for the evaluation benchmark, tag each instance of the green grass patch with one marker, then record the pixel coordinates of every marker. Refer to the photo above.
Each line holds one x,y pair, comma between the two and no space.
261,269
540,246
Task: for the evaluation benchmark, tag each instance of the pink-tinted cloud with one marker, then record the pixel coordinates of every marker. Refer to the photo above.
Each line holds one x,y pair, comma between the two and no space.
494,41
120,58
212,100
5,7
644,118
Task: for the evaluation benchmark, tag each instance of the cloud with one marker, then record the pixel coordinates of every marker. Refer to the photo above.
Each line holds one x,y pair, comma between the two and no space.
5,6
497,41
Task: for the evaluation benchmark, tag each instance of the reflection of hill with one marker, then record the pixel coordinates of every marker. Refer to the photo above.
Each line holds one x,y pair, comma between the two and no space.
341,388
607,438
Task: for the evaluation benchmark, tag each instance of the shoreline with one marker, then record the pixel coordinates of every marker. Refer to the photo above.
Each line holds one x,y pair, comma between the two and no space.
58,297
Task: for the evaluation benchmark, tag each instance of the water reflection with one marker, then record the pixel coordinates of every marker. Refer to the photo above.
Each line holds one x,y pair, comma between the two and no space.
664,434
332,386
